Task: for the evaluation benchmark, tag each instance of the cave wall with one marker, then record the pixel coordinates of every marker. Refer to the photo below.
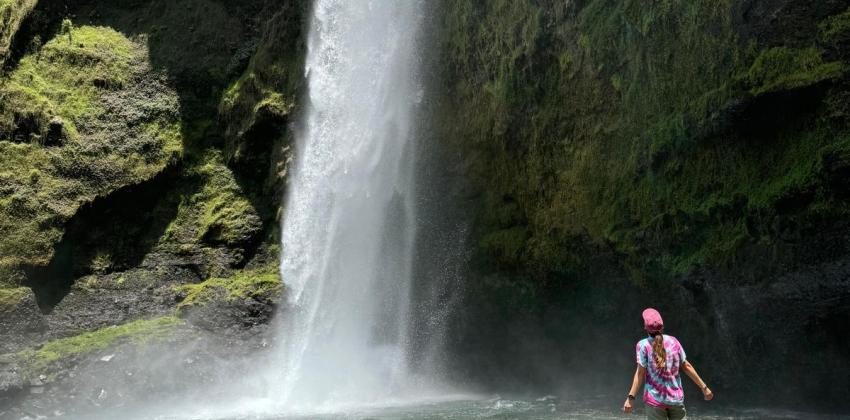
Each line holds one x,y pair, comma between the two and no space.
688,155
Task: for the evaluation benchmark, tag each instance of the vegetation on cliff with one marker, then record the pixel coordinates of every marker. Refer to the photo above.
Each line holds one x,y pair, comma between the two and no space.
663,131
262,285
216,211
79,118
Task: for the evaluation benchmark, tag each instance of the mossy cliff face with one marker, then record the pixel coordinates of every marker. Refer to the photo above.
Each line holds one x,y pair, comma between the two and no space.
668,130
144,160
636,153
110,101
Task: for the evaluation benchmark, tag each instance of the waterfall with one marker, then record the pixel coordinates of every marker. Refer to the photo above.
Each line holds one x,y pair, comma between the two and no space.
349,227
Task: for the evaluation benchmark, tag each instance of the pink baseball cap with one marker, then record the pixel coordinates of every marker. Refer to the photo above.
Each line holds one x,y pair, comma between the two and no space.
652,321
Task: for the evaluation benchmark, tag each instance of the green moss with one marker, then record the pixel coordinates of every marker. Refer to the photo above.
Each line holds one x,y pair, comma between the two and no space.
219,211
783,68
66,78
249,284
10,298
39,360
103,135
198,54
169,135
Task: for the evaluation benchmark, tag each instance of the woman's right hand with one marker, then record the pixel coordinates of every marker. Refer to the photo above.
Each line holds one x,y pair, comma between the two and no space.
706,392
627,406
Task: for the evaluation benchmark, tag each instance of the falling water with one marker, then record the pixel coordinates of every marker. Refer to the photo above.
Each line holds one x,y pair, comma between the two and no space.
348,232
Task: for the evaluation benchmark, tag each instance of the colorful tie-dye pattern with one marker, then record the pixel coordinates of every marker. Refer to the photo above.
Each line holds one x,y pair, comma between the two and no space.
662,388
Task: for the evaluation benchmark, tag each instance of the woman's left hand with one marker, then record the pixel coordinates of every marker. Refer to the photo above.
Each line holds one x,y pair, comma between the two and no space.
627,406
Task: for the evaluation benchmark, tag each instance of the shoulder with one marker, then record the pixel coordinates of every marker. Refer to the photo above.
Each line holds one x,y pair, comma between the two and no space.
673,341
642,344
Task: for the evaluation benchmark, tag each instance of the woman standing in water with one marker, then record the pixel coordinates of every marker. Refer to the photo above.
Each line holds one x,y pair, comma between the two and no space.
660,357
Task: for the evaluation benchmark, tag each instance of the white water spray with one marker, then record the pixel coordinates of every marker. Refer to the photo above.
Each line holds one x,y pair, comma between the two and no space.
349,228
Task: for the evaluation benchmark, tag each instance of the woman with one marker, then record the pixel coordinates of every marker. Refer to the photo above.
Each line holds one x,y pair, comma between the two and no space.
659,359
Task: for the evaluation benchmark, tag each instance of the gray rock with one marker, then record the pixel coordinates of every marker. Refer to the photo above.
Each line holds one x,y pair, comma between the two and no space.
21,322
99,301
233,316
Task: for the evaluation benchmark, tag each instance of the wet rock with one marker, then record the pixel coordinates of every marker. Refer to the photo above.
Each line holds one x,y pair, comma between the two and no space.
98,301
233,316
735,331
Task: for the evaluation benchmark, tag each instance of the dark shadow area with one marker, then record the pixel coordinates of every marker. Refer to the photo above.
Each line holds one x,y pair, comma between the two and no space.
782,22
764,116
255,157
110,234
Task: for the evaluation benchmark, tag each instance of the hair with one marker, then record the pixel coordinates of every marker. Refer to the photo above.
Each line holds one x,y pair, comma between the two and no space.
659,354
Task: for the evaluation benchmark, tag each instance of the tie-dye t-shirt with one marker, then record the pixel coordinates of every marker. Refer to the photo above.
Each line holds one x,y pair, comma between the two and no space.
663,388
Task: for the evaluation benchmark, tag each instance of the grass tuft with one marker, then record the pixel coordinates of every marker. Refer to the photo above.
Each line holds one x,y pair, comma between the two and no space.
249,284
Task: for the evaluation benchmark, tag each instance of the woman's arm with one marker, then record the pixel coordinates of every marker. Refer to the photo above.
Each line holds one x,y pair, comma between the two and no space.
692,373
636,381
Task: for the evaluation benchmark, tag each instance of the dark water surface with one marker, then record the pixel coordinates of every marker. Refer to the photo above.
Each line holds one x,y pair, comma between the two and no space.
545,408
